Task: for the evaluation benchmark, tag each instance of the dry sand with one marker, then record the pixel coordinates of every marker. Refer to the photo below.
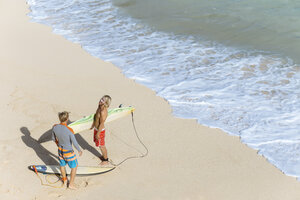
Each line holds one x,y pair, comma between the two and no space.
42,74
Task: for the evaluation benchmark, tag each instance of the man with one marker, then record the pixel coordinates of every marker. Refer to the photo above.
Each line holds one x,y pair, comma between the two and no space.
98,125
64,137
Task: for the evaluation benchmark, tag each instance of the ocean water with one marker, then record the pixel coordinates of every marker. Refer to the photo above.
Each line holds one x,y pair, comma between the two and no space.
229,64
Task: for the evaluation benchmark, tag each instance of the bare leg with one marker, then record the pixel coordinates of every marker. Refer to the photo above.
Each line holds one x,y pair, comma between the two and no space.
73,174
104,154
63,174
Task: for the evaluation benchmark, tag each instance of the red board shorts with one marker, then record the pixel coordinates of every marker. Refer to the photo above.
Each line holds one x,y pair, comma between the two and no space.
101,141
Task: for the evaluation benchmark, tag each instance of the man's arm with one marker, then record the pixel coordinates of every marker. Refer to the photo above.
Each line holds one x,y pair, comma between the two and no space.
94,119
103,116
75,143
54,138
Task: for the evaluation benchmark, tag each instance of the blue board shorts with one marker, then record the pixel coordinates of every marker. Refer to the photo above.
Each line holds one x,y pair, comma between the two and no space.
72,164
67,156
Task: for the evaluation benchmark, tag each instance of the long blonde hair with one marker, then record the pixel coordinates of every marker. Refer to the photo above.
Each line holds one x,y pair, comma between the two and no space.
107,100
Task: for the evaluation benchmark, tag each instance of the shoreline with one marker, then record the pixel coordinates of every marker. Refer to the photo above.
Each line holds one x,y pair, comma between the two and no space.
247,97
44,74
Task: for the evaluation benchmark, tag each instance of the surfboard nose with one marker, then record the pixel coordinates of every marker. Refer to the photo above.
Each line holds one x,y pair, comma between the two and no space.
32,167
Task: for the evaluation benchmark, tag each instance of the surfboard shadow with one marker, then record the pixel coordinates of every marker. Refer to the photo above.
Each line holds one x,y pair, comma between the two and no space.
46,156
47,136
86,146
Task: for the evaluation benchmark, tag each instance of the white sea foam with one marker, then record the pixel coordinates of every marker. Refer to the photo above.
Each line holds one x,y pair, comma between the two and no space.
252,94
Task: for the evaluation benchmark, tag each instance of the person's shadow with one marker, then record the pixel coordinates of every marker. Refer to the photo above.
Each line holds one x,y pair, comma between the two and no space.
47,136
46,156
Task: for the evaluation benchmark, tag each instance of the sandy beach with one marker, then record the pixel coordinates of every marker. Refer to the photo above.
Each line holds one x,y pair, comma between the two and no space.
43,74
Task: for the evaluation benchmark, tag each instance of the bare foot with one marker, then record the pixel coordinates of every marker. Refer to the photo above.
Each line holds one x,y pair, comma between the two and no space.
64,181
104,163
72,187
65,184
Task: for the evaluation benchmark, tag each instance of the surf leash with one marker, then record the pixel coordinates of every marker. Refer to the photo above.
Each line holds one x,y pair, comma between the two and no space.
54,186
132,157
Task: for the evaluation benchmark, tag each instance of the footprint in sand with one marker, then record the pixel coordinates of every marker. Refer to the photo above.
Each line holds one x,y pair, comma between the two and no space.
31,106
11,190
83,184
55,194
7,151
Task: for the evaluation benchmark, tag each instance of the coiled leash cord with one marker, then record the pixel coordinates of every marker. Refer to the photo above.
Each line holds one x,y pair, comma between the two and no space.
132,157
54,186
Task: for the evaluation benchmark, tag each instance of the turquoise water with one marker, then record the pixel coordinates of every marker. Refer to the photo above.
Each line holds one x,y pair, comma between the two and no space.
228,64
258,24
